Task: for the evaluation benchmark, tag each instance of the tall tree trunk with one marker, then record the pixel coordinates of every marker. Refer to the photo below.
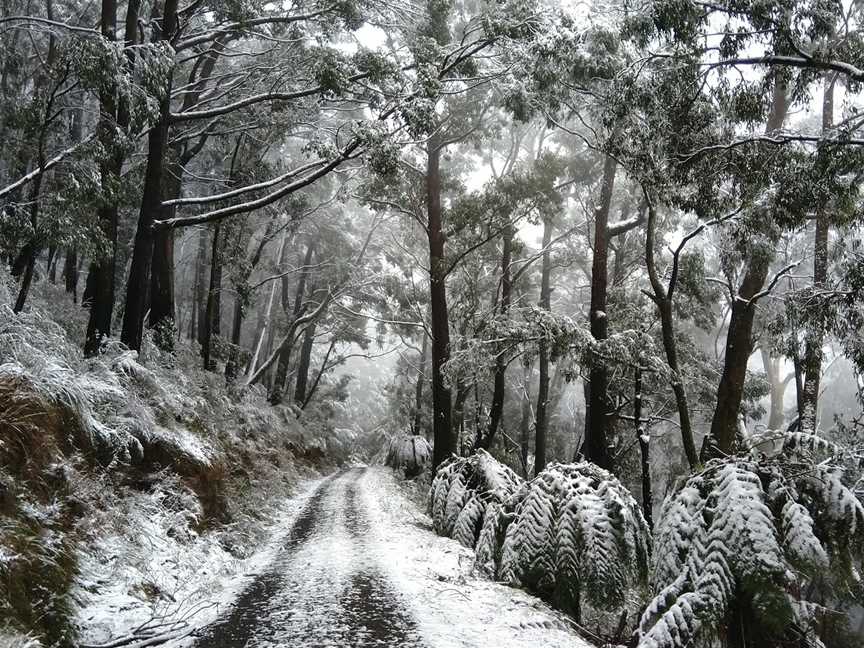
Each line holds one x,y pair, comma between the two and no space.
418,389
776,389
303,364
739,347
268,314
111,118
70,273
320,373
499,385
541,425
31,250
663,299
138,284
444,442
644,441
212,321
162,315
596,445
279,384
199,317
525,422
739,339
51,264
815,334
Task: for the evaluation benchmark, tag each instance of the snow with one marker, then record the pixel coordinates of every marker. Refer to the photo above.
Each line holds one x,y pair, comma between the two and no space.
151,570
455,607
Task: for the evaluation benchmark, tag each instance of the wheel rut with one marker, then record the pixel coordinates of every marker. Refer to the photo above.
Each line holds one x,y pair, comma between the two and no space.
324,588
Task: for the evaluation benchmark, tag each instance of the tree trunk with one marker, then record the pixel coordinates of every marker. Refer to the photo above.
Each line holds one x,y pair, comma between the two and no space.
815,333
525,422
213,317
739,340
739,347
199,316
279,383
663,299
138,284
776,389
303,365
111,118
162,308
418,391
541,426
498,391
596,445
70,273
644,448
320,373
444,443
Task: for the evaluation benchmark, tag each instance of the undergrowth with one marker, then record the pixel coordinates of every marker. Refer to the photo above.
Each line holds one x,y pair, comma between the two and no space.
101,447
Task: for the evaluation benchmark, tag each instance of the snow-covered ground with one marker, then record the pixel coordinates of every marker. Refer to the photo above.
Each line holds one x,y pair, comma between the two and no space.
156,571
361,567
455,607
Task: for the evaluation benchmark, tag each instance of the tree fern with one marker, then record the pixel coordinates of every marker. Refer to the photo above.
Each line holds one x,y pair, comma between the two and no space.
576,534
739,537
464,490
408,453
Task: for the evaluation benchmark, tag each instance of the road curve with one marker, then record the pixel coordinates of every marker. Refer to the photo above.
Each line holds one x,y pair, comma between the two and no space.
324,589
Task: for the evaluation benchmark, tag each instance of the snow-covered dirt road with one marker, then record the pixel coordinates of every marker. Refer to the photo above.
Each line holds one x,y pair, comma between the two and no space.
359,567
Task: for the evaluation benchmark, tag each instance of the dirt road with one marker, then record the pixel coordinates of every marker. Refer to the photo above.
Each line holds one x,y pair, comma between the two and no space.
325,588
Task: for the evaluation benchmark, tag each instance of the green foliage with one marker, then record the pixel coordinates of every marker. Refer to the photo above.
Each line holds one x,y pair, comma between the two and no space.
745,534
577,537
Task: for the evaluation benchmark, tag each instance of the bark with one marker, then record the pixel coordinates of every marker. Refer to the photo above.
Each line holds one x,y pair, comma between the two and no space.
418,390
303,364
644,449
267,316
739,347
498,391
320,373
525,422
663,299
596,445
199,310
162,309
51,264
739,339
113,115
777,389
70,273
541,426
444,441
138,284
812,361
287,346
212,320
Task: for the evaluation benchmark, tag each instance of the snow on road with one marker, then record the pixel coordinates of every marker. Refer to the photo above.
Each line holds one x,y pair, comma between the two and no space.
455,607
360,567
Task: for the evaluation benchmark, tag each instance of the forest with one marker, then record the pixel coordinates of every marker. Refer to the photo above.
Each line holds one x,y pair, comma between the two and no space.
589,274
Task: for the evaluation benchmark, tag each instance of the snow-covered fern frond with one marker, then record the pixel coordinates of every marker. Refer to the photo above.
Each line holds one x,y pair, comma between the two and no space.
462,492
745,533
577,535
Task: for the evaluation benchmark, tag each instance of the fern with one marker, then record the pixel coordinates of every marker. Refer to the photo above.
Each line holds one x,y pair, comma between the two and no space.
740,536
408,453
577,534
464,491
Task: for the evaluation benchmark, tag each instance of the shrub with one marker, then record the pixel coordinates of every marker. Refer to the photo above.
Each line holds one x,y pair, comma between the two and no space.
409,453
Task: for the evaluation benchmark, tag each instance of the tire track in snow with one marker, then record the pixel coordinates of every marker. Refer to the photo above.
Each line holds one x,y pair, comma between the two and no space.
324,589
